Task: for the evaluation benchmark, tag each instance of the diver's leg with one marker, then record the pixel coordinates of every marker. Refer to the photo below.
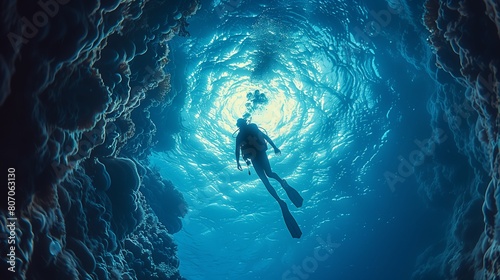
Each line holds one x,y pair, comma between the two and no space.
290,192
257,164
290,221
267,168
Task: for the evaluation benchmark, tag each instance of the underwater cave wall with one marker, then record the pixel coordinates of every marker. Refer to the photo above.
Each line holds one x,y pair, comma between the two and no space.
78,80
465,36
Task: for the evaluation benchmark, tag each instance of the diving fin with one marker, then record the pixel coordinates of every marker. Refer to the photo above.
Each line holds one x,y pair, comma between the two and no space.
290,222
294,195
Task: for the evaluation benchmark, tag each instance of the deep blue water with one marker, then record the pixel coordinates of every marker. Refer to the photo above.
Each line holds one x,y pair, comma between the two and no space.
119,123
347,85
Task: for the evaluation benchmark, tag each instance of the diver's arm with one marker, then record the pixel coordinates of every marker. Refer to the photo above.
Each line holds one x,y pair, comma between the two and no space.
276,150
237,154
269,140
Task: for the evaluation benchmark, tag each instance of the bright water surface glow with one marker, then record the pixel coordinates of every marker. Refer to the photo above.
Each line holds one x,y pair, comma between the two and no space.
322,113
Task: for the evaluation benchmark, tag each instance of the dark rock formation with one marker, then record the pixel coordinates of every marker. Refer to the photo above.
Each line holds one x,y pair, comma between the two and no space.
77,81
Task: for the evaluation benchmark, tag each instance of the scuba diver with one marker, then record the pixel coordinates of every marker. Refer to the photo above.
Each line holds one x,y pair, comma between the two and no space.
252,143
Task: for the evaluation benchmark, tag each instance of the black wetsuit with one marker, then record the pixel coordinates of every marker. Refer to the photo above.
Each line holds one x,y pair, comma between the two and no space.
253,144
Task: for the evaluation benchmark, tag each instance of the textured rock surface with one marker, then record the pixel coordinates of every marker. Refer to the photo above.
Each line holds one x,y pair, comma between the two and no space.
78,79
466,38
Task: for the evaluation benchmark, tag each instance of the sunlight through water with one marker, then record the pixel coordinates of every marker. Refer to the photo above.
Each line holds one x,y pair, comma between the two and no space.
318,98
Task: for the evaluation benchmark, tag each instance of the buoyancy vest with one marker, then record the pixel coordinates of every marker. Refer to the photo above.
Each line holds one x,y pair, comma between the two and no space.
252,140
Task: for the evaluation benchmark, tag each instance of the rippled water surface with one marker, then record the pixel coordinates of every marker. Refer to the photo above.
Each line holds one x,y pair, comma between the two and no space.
331,108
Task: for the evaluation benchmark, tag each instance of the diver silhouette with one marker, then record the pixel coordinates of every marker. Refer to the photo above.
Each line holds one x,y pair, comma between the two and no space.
252,143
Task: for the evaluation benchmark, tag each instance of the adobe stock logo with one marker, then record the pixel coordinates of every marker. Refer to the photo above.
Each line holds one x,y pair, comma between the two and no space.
459,113
311,263
406,168
30,28
381,20
227,7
